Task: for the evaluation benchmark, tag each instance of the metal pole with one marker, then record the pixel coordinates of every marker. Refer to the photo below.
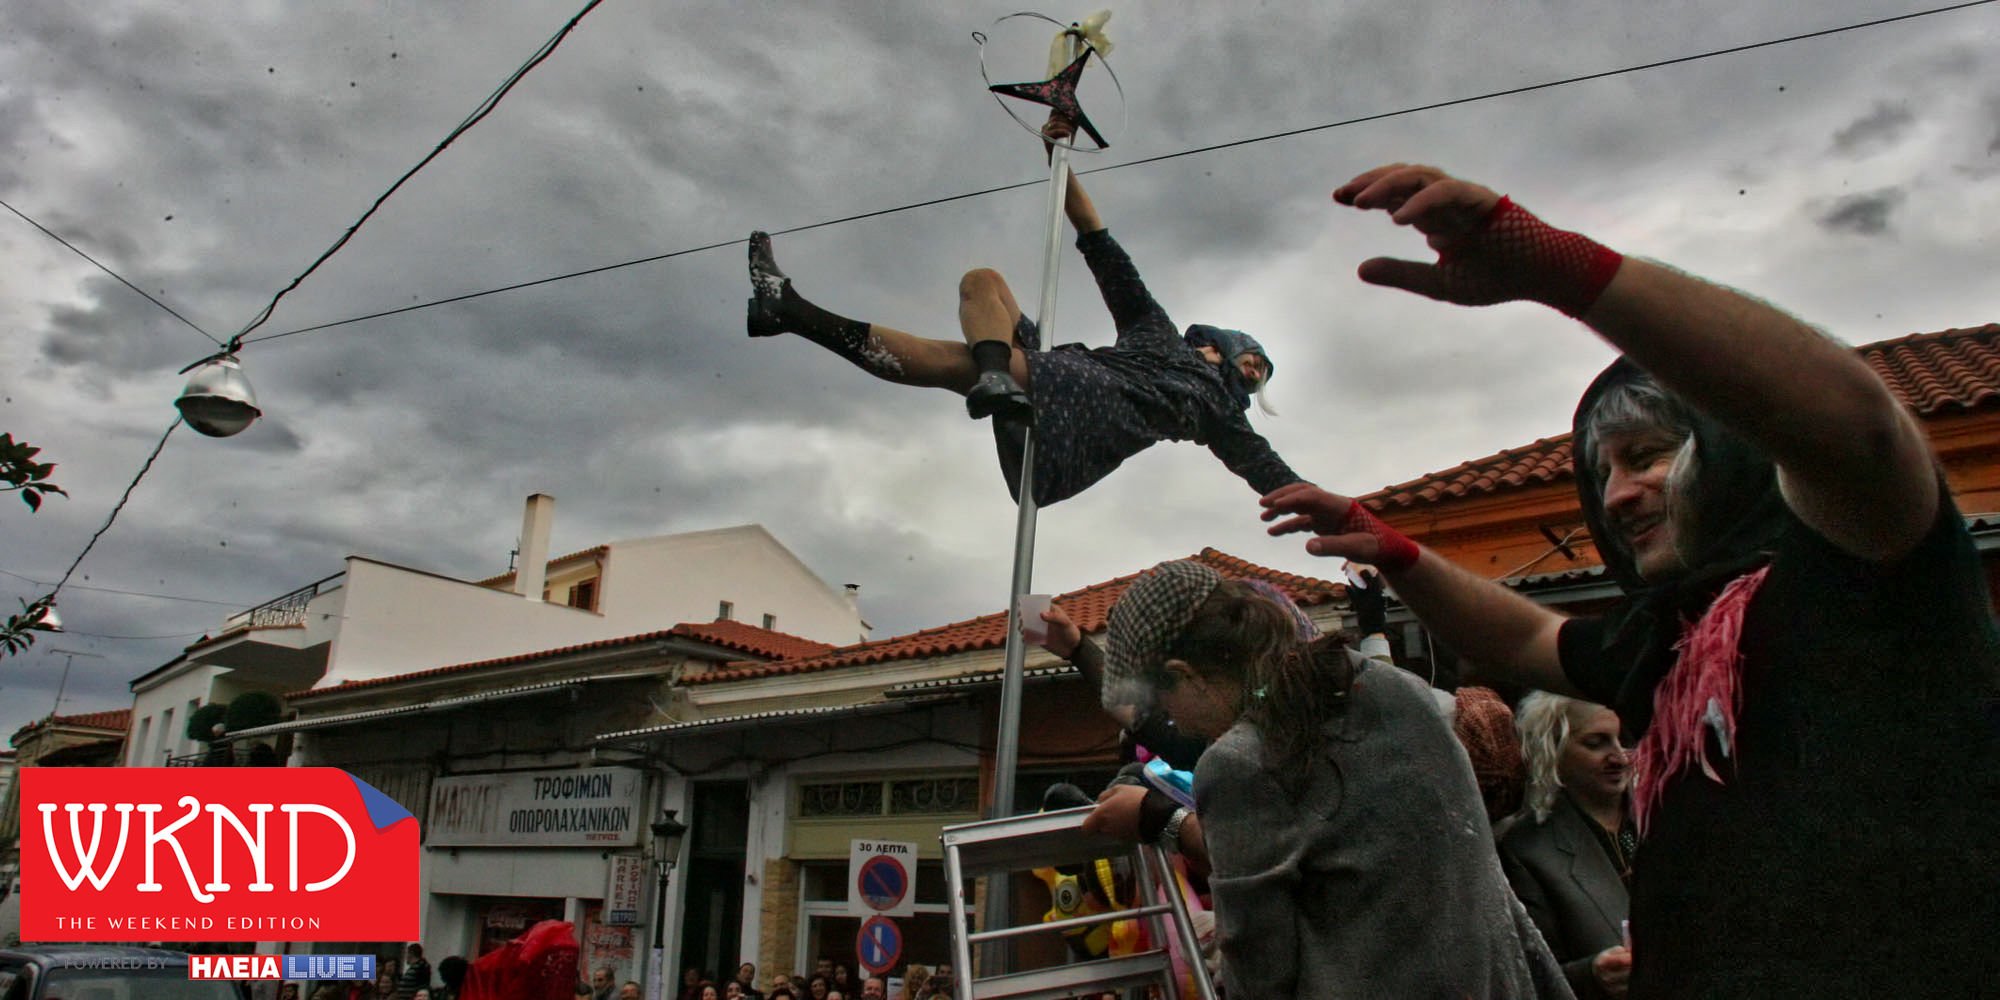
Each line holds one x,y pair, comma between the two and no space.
659,987
1007,745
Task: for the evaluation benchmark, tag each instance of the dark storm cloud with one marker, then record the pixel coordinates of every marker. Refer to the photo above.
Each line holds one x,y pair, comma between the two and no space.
634,395
1879,128
272,434
1863,214
120,333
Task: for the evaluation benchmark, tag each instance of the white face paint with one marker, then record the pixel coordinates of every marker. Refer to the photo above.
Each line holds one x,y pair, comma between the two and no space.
1252,367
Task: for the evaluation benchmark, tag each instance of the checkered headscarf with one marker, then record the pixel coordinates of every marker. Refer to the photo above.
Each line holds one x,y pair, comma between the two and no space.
1146,620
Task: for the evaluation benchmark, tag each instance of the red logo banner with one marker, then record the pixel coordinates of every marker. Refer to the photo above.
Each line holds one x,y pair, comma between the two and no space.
214,854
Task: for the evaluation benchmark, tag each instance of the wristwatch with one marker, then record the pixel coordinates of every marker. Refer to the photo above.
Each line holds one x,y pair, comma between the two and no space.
1170,835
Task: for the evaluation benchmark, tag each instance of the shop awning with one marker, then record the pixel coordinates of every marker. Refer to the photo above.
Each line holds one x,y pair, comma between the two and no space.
439,705
970,682
775,717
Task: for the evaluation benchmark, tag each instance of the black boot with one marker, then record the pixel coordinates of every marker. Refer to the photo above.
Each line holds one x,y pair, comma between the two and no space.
769,286
776,307
996,394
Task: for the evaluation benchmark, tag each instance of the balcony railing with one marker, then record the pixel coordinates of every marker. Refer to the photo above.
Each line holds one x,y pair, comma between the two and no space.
234,755
287,610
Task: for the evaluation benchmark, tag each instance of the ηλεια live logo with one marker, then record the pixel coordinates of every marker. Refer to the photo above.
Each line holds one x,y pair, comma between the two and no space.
214,854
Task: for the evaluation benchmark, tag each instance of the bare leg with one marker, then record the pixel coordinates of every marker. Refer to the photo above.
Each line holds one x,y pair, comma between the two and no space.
884,352
987,311
987,315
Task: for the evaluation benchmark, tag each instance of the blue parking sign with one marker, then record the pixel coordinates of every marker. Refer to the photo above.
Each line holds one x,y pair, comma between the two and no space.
879,945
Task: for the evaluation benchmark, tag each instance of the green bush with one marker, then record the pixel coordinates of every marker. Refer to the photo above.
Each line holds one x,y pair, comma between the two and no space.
202,721
254,708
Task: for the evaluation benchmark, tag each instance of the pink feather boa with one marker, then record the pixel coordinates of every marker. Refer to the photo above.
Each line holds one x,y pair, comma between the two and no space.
1701,693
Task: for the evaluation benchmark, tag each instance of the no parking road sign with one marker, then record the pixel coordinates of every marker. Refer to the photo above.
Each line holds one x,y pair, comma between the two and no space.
880,878
879,945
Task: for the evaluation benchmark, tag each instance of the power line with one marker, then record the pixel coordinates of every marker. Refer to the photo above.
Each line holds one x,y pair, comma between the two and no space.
1529,88
101,635
1363,119
130,593
485,108
114,274
548,48
134,484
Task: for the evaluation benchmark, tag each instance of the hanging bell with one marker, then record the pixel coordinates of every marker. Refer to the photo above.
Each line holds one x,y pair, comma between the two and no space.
218,400
48,621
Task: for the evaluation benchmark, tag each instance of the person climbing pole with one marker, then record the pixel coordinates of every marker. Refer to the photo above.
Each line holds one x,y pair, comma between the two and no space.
1091,408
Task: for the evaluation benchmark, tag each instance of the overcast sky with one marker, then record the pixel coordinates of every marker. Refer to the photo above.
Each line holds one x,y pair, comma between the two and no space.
209,151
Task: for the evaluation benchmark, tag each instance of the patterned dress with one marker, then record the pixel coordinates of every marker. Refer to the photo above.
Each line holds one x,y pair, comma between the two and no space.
1097,407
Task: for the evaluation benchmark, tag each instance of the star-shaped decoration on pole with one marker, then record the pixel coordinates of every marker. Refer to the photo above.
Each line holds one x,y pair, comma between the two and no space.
1059,93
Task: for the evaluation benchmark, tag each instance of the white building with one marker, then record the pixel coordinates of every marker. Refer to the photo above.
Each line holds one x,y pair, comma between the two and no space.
495,759
375,619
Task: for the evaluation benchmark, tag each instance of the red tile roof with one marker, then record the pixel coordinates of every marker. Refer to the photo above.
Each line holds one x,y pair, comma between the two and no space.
1932,373
753,640
1545,461
117,720
1088,607
734,636
595,550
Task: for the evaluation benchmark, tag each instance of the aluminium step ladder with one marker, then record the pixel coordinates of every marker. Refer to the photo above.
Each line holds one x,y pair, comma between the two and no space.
1039,840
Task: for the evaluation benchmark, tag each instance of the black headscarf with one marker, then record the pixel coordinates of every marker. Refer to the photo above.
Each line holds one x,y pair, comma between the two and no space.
1231,344
1735,516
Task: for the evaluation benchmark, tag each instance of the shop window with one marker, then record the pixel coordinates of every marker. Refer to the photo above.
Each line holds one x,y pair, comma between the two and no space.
501,919
933,796
897,797
840,798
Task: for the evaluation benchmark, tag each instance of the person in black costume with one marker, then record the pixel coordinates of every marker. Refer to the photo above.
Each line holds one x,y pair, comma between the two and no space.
1092,408
1805,651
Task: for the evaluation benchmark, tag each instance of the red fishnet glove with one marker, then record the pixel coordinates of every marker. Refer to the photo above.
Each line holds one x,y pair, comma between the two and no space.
1397,551
1515,255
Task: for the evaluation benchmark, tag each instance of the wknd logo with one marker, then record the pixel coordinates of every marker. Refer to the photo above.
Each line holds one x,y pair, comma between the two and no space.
214,854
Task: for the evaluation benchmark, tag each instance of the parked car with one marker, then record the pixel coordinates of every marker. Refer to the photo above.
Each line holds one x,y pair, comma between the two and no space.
105,972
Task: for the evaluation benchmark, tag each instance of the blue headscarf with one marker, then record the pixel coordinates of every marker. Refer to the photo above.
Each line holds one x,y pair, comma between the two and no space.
1231,344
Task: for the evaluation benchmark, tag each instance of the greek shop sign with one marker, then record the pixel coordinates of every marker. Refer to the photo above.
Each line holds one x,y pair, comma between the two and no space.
591,807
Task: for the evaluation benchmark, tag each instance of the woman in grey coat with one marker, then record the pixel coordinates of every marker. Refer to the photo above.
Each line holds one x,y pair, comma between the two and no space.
1348,847
1569,852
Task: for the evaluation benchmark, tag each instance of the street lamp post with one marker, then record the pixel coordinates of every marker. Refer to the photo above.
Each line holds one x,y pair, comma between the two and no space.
667,834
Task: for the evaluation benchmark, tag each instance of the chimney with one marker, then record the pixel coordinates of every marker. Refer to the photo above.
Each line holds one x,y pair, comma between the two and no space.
533,571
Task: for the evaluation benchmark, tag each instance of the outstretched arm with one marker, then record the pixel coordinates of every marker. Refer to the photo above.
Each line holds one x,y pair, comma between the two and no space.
1077,205
1852,463
1247,453
1514,637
